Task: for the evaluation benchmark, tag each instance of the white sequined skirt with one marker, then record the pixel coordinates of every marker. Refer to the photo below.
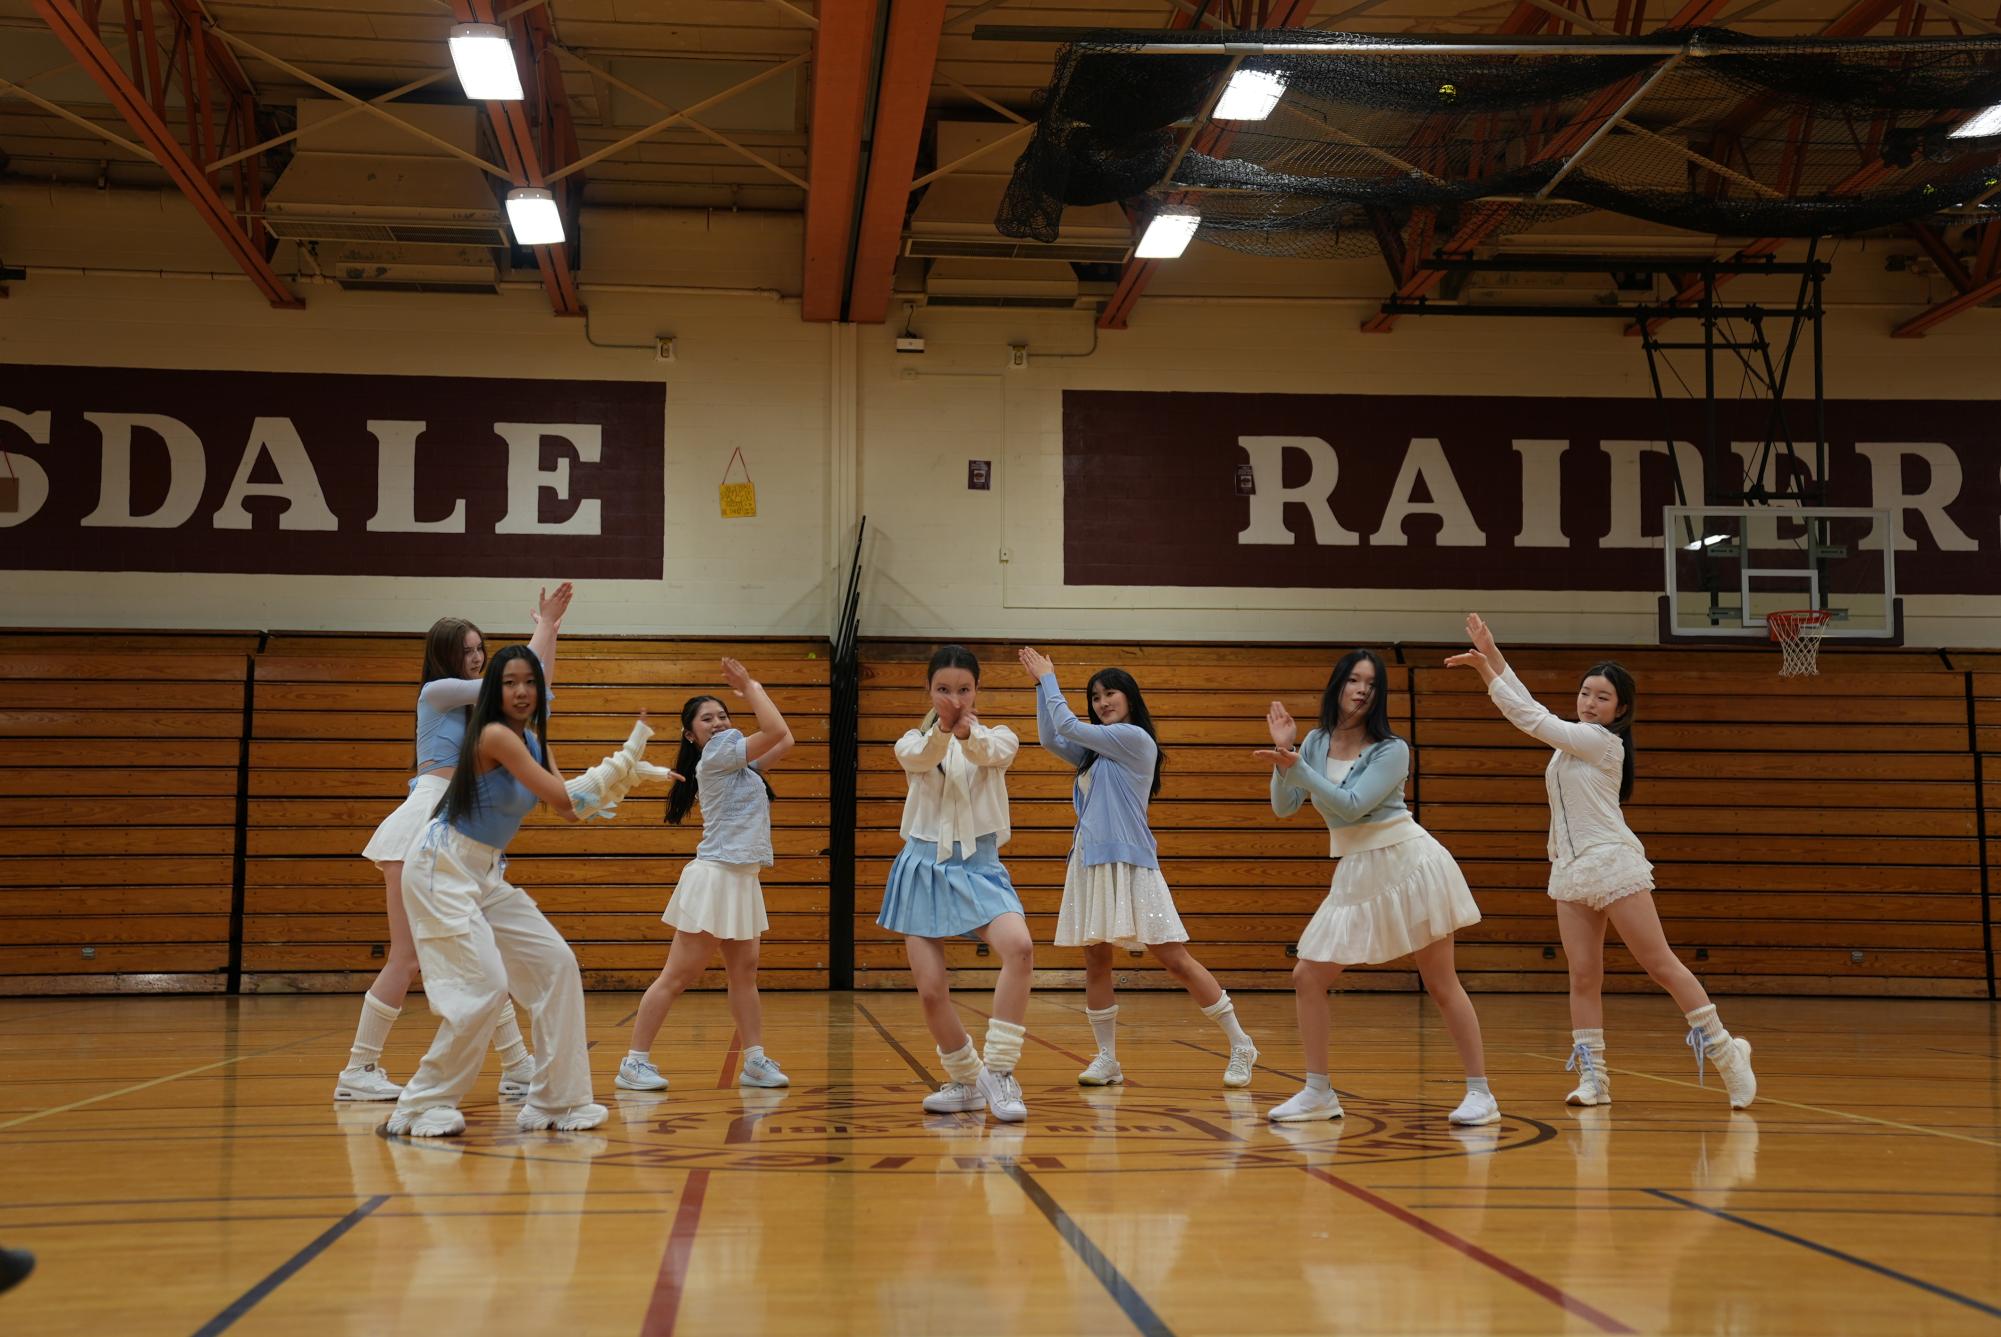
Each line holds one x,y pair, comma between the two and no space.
1600,875
1388,902
1117,903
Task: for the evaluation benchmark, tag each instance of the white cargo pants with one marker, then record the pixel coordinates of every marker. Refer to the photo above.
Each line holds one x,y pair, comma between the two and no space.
478,939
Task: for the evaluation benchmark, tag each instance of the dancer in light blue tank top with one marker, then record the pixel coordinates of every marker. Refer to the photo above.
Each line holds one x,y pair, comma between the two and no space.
478,937
454,660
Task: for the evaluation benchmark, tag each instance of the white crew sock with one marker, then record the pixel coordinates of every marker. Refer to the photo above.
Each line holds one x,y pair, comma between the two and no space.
372,1032
1224,1013
1104,1025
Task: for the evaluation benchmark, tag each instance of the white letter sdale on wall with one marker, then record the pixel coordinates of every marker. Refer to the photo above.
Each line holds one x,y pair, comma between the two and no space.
527,479
1886,492
187,471
396,483
34,478
306,503
1268,503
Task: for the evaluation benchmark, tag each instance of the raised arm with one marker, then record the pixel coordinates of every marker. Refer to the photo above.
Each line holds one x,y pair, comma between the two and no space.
773,738
547,616
1588,741
1362,790
1037,666
500,744
1070,738
1592,742
449,693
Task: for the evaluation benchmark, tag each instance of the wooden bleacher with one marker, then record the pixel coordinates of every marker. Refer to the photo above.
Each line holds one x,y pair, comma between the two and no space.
1817,836
118,810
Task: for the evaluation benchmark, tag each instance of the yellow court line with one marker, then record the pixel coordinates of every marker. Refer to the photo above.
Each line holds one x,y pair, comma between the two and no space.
141,1086
1790,1104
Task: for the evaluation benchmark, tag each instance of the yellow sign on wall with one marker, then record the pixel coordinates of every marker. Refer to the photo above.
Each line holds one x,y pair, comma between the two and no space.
739,500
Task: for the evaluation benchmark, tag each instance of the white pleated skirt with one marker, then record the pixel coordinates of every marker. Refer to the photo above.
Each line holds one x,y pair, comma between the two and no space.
1600,875
1117,903
722,899
401,830
1386,903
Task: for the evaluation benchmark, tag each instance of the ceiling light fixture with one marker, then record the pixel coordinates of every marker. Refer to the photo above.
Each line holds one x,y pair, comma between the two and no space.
484,59
1168,235
533,215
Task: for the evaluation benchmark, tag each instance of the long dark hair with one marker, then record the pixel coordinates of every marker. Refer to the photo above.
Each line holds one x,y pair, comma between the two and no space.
1376,723
1622,683
462,794
944,657
681,798
445,648
1118,680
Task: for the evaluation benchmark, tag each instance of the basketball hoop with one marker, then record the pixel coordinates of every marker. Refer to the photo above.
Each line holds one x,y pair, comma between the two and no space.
1798,632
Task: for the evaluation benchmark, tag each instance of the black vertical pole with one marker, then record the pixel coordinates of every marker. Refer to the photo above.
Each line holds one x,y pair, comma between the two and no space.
844,775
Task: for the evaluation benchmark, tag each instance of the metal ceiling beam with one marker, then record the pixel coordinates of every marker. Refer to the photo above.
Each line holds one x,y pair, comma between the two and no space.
1606,103
1205,138
909,62
842,47
80,36
526,144
1917,325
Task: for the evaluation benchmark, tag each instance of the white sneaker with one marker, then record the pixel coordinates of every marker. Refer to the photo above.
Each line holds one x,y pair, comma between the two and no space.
1003,1094
1594,1084
759,1072
1733,1061
955,1098
533,1119
1308,1104
1242,1059
515,1081
367,1082
1477,1108
638,1074
1104,1071
432,1121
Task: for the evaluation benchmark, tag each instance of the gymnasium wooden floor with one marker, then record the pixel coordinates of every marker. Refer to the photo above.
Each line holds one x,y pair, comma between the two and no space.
179,1167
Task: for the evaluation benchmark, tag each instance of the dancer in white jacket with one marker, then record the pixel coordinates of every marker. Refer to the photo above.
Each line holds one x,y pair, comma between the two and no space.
1599,872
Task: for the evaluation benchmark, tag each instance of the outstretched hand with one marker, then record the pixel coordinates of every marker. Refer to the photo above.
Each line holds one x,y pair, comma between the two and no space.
738,677
1284,729
1283,758
1035,662
550,608
1482,637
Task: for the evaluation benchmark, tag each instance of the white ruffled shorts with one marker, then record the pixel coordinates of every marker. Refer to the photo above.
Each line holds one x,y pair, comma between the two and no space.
1600,875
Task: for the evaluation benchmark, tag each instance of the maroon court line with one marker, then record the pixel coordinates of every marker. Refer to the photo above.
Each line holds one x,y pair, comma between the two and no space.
1075,1058
1597,1318
728,1079
667,1290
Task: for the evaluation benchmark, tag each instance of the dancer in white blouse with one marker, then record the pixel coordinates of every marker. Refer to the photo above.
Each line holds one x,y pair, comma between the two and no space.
1599,872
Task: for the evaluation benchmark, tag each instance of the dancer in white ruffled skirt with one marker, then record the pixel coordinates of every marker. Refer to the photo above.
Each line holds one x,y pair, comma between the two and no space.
1599,873
1396,890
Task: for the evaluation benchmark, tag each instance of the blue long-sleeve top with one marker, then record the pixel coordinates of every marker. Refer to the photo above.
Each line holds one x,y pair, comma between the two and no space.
1111,810
1372,791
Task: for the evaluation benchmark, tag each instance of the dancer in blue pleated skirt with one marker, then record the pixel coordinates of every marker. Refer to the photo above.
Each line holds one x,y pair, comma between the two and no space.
949,882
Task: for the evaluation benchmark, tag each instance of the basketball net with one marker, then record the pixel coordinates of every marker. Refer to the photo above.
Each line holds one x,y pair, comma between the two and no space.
1798,632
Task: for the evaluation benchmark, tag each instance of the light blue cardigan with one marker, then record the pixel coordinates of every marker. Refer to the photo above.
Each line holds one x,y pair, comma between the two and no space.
1372,791
1111,818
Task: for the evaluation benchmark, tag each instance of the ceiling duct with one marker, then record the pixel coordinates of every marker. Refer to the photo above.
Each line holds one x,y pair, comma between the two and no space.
385,208
955,219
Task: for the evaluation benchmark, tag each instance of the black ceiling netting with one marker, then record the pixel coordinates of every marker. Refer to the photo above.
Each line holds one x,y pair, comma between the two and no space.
1740,137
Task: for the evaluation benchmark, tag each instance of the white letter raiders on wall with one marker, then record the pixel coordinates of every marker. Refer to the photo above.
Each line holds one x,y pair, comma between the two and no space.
136,469
1483,492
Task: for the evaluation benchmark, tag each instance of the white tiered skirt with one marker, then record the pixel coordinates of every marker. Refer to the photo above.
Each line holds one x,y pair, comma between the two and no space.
1600,875
1386,903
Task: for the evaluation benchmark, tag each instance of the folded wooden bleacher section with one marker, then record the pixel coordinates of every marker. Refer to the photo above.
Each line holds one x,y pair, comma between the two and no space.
131,756
1815,836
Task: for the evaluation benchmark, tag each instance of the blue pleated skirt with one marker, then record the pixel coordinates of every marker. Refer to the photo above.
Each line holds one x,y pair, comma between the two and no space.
928,899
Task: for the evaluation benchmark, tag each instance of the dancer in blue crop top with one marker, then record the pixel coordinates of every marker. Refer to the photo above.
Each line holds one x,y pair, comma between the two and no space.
454,661
478,937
